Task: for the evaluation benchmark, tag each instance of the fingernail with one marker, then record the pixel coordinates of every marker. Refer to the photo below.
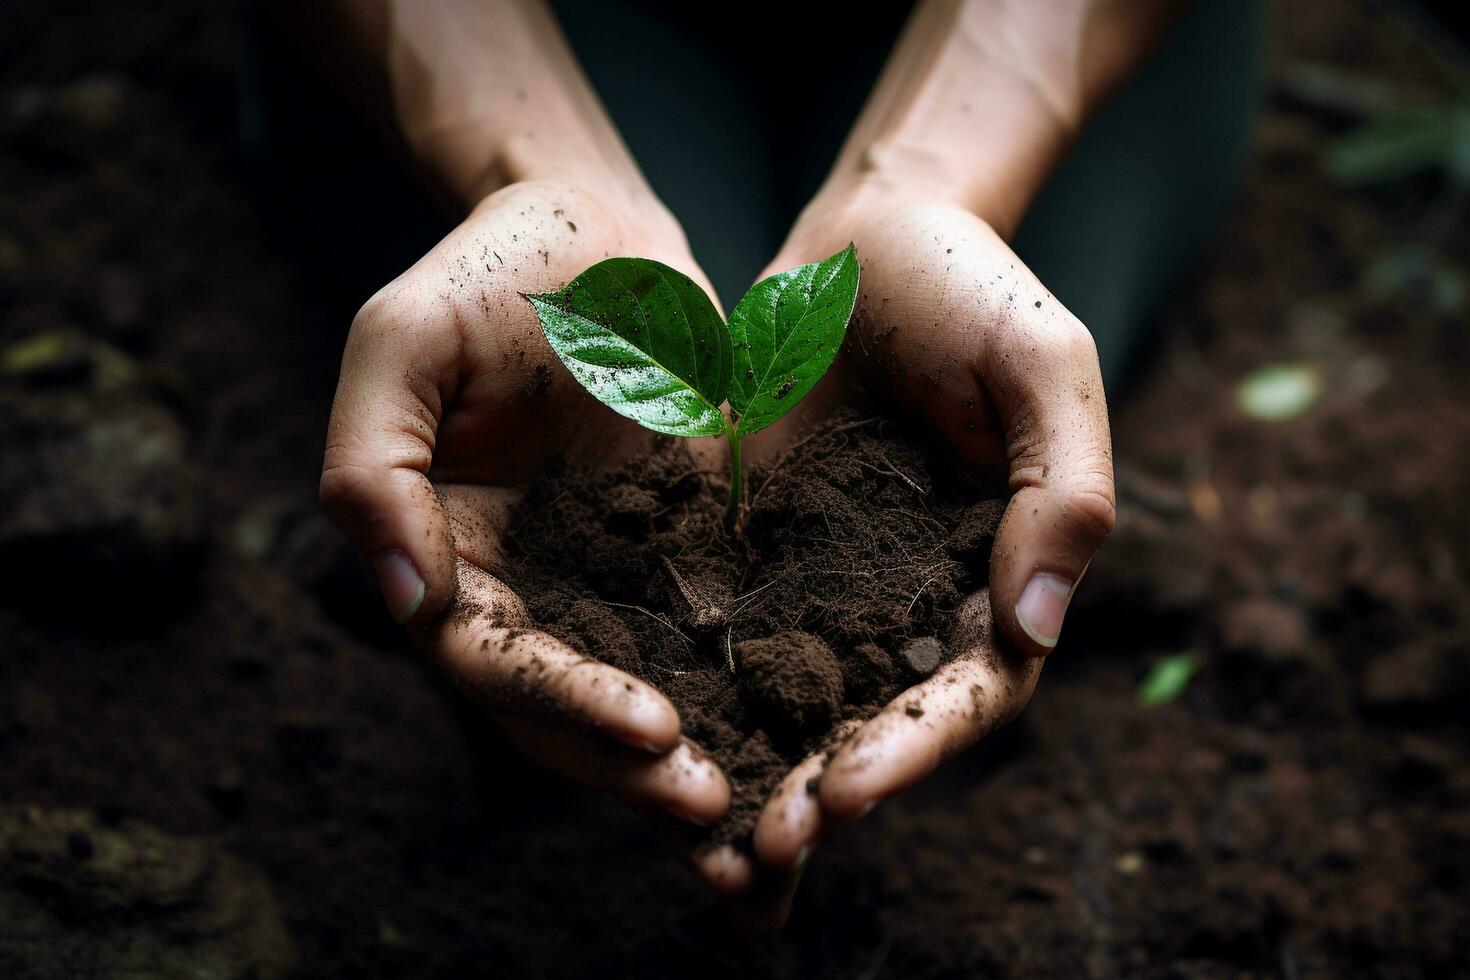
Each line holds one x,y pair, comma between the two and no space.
650,747
801,857
867,809
403,587
1042,607
689,817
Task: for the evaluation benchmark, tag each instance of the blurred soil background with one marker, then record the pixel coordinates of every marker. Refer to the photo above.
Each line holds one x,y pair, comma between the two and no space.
218,758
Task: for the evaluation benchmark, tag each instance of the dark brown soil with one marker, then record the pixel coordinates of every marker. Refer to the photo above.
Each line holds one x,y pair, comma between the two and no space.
834,595
231,680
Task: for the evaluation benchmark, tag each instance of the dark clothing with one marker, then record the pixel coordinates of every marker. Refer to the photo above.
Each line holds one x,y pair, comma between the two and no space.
736,124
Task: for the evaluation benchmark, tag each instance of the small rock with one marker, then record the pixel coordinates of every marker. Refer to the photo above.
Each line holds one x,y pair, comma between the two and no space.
922,654
96,475
79,898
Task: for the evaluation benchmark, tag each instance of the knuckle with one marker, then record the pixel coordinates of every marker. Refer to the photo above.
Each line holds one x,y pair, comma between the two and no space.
383,307
1070,341
1092,509
401,308
342,487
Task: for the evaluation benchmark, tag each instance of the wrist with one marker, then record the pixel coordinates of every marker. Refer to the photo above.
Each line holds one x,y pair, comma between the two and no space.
523,159
849,203
996,186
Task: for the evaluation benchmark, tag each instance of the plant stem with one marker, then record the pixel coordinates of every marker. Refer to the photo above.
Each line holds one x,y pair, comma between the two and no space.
737,478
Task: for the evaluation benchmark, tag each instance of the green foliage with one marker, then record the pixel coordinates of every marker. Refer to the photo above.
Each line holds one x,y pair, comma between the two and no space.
1279,392
786,330
1403,142
647,342
1167,678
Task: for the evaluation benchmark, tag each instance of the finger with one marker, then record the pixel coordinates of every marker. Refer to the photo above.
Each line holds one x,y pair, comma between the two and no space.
766,905
791,823
478,516
963,701
486,647
1043,378
399,360
683,782
723,868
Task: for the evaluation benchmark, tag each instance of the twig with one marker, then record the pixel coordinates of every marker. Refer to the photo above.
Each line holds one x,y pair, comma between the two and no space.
650,615
681,585
744,600
917,594
904,476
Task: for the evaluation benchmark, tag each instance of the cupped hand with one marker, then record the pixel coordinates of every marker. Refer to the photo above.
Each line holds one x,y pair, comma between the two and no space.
952,329
449,397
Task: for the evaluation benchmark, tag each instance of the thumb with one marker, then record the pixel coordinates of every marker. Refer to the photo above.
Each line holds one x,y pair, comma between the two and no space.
1047,387
380,443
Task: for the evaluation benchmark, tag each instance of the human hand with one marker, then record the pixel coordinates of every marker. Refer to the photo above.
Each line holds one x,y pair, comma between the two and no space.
449,398
952,329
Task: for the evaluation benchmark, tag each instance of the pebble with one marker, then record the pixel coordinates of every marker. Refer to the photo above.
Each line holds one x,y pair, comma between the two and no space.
922,654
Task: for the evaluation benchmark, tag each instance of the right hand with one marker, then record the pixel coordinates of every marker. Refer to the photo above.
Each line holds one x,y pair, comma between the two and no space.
449,399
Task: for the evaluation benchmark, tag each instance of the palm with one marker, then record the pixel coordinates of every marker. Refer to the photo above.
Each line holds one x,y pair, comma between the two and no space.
936,283
515,406
447,375
944,308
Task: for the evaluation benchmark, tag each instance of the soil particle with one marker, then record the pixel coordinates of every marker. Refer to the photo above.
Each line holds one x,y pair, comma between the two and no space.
538,381
765,641
791,679
868,673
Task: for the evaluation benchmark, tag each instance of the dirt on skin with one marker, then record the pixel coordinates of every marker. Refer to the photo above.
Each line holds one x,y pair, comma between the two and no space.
835,594
1302,810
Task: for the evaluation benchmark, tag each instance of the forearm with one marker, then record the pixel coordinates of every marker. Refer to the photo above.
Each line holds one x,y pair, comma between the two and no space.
488,94
981,98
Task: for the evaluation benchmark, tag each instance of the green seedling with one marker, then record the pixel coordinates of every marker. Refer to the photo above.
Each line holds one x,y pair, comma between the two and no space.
647,342
1167,678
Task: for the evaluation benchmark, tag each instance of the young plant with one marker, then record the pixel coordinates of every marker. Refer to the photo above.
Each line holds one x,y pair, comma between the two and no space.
647,342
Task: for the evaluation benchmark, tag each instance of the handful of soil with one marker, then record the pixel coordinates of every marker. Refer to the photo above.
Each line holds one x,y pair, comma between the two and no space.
839,593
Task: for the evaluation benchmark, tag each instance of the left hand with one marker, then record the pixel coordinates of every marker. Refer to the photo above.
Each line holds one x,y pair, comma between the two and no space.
954,330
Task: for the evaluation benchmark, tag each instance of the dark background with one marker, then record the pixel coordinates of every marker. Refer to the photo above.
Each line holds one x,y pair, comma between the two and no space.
218,757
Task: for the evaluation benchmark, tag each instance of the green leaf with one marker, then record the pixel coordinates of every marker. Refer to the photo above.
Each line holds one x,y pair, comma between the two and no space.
1167,678
1398,144
786,332
1279,392
646,341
